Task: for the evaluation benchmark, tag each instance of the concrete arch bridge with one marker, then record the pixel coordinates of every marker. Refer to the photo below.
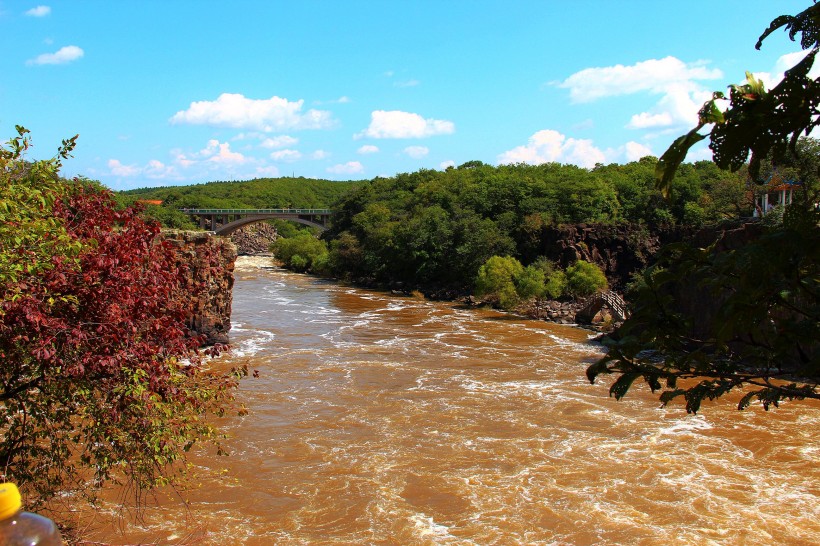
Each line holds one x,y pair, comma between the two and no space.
226,221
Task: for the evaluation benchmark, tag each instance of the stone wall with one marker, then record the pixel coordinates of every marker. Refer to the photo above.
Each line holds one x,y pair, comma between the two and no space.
210,260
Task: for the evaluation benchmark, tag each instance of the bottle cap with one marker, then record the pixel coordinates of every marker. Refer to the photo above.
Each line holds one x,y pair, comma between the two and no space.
10,501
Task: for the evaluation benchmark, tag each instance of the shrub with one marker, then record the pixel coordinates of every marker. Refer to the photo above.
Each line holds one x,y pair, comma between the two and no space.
496,281
555,284
301,252
530,282
585,279
298,263
93,305
555,280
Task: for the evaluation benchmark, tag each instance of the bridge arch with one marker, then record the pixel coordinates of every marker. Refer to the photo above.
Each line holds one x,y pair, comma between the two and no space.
230,227
233,219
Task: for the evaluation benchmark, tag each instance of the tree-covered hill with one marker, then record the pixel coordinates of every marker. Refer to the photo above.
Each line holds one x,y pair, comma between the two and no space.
258,193
437,227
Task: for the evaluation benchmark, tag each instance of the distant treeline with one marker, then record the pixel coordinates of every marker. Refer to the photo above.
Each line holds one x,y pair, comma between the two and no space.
251,194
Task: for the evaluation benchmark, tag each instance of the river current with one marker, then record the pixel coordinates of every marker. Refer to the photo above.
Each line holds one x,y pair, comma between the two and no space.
378,419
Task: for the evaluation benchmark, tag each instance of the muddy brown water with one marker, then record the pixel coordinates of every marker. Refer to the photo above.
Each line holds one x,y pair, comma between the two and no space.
384,420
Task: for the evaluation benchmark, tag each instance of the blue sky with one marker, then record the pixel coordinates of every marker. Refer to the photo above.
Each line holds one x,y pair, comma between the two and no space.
180,92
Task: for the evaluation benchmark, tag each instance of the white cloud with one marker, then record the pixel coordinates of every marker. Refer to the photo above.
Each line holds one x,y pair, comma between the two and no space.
154,169
677,82
784,63
653,75
118,169
634,151
214,153
286,155
398,124
679,106
368,149
417,152
341,100
250,135
271,171
444,165
320,154
220,152
158,170
235,111
551,146
645,120
700,152
407,83
351,167
62,56
279,142
39,11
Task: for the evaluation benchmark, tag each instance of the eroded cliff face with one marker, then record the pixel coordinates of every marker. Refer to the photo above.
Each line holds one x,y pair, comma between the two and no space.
254,239
209,261
619,250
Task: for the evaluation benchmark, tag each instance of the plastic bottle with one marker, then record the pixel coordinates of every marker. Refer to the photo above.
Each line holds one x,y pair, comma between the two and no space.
18,528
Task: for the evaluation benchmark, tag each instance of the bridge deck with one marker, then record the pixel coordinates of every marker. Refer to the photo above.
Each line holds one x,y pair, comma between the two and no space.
315,212
232,219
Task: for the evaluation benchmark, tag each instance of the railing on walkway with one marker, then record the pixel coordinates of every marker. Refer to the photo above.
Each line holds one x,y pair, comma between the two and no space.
611,299
616,303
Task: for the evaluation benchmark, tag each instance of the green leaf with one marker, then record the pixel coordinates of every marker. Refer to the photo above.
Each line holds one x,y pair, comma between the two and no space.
672,158
668,396
622,385
710,113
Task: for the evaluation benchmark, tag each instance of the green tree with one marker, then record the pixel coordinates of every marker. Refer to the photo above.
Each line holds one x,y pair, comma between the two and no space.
530,283
584,279
496,281
300,252
742,314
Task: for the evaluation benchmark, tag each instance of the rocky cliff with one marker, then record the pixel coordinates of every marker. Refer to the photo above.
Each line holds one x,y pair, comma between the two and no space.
619,250
254,239
209,261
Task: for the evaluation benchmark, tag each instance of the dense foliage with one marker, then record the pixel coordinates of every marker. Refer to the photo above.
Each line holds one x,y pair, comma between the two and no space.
93,385
504,282
434,228
585,279
302,252
744,311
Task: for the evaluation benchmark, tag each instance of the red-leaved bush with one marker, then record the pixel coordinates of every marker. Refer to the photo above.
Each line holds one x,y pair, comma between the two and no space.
99,377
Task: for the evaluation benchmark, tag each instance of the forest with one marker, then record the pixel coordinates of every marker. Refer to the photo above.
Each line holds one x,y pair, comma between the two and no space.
438,227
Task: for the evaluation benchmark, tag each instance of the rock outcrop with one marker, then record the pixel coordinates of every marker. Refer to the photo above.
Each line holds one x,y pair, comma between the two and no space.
619,250
254,239
210,262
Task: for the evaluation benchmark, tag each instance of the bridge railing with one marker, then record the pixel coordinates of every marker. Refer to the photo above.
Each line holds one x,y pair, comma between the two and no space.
315,212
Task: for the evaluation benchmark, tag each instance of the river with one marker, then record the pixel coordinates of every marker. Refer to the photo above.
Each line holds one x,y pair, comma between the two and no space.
378,419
